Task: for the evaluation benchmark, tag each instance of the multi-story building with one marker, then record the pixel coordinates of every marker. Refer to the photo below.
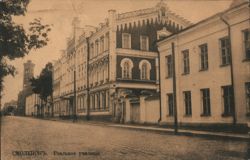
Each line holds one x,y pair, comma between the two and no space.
113,60
70,74
205,70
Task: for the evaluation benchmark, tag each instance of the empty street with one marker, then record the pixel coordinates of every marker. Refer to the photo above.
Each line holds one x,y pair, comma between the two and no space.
35,139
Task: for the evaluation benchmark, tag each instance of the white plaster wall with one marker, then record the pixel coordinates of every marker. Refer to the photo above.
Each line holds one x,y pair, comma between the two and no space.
216,76
152,111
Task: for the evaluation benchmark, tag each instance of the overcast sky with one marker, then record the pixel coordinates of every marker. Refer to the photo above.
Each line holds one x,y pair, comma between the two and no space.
60,13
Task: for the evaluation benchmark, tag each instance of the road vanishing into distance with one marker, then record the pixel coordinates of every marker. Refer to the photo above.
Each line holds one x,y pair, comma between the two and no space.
35,139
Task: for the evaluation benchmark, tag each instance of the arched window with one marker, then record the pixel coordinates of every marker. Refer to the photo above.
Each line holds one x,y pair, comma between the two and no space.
144,71
126,70
127,66
145,68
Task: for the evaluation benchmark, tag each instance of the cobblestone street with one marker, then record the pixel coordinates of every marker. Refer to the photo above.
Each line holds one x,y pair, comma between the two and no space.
52,138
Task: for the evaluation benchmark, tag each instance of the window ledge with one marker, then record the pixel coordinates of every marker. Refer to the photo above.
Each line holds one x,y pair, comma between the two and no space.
226,114
168,77
205,115
184,74
225,65
170,116
126,78
205,69
246,60
187,116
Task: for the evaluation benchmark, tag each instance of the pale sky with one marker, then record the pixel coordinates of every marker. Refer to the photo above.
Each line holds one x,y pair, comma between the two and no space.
60,13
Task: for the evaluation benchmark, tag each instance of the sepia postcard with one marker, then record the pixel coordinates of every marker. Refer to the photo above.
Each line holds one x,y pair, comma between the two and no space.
125,79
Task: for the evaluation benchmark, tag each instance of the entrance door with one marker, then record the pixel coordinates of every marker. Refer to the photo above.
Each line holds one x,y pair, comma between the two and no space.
135,112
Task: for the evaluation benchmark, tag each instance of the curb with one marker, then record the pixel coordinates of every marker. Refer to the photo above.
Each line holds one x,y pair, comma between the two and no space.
191,133
211,135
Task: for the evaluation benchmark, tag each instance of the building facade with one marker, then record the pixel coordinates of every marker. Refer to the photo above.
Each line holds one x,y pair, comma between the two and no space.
117,59
206,71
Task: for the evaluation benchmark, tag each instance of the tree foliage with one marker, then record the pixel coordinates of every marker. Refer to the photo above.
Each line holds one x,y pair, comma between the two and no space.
42,84
15,41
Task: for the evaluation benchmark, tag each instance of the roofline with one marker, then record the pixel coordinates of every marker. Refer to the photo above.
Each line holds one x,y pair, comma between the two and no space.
200,22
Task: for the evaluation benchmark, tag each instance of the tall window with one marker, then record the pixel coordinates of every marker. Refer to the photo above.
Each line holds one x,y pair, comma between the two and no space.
170,103
228,101
93,101
169,66
185,56
126,70
205,98
203,57
126,65
102,44
107,41
187,102
144,43
91,50
96,48
145,68
225,51
98,100
126,40
247,88
247,43
104,100
78,103
82,102
144,71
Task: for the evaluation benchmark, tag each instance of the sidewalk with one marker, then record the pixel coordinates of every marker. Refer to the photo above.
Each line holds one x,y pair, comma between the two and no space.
195,133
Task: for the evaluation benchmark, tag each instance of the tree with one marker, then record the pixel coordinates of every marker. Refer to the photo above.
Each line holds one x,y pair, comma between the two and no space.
15,41
42,85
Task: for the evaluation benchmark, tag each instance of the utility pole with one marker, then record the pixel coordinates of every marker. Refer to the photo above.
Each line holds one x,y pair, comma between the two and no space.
88,96
174,90
75,23
74,102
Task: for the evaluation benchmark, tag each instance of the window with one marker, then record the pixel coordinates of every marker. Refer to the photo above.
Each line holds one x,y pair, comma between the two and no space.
187,103
126,40
93,101
228,100
107,42
169,66
205,98
126,65
225,51
98,101
102,44
145,68
104,100
185,56
79,103
126,70
203,57
247,43
247,88
91,50
144,43
170,104
82,102
144,71
96,48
